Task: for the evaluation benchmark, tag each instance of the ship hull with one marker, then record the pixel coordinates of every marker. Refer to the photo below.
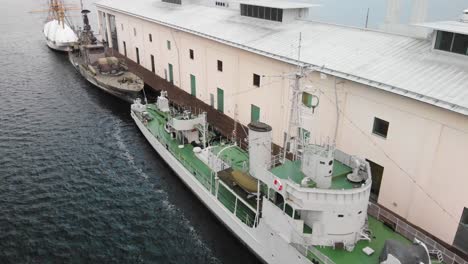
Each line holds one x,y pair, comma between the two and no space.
128,96
61,47
261,240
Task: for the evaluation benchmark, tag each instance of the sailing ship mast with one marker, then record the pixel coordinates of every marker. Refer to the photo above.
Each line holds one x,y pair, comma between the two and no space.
57,11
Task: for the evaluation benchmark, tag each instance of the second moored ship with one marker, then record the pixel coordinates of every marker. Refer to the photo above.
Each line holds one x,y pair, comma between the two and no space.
110,74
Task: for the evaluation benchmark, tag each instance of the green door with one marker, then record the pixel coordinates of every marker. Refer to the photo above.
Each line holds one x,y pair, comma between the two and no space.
171,74
220,100
193,85
254,113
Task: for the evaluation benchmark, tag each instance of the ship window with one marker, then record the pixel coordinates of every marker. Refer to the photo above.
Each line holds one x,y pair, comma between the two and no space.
340,216
150,38
220,66
380,127
256,80
452,42
191,54
288,210
461,237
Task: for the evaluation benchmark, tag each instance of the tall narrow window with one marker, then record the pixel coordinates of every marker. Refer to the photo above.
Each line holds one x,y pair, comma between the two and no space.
377,174
137,55
152,64
212,100
220,66
191,55
125,48
171,73
134,32
380,127
193,85
256,80
461,237
220,100
150,37
254,113
121,26
168,45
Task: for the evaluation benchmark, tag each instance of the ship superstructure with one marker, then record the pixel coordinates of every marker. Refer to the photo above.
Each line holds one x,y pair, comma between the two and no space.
108,73
308,205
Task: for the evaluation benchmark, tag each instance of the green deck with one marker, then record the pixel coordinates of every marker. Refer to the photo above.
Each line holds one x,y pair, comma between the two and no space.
380,233
292,169
200,170
237,158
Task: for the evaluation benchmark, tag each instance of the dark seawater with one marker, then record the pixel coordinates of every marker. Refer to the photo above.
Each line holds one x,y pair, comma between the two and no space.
78,181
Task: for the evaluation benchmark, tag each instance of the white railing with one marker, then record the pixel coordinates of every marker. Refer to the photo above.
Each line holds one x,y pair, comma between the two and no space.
304,250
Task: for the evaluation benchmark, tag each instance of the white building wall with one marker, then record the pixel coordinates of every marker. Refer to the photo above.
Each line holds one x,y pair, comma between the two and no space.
426,146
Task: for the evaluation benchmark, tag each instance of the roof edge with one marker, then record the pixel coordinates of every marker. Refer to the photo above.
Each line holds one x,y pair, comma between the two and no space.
362,80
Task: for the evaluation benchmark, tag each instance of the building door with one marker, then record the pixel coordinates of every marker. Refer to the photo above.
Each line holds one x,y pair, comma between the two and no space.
212,100
254,113
153,69
113,32
171,74
377,174
461,237
137,55
220,100
193,87
104,25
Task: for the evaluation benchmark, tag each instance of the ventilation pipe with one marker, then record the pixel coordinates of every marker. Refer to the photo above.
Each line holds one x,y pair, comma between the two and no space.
393,12
419,12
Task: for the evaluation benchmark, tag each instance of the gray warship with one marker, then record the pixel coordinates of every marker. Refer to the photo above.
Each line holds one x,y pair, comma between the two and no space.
109,73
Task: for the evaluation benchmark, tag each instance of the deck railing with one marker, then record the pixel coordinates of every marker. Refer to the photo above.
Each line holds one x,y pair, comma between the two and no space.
232,201
307,250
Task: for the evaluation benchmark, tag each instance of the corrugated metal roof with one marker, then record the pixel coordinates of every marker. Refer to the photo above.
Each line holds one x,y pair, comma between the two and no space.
398,64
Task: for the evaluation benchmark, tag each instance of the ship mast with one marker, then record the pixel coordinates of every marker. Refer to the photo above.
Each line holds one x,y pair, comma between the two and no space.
57,11
294,115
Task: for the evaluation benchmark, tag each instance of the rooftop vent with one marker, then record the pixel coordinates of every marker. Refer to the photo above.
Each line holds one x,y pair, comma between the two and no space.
262,12
178,2
464,17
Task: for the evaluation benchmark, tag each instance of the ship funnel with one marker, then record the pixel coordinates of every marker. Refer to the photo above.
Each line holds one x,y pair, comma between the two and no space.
317,165
259,148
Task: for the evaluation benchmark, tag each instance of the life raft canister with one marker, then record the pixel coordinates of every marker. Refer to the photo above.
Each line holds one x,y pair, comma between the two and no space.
278,184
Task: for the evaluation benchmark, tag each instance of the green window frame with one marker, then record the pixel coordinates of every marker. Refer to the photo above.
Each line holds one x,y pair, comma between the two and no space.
307,99
169,45
171,73
193,85
220,100
254,113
